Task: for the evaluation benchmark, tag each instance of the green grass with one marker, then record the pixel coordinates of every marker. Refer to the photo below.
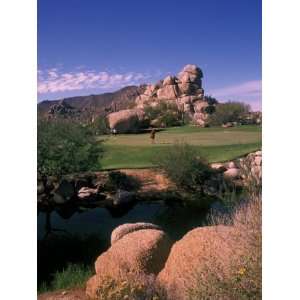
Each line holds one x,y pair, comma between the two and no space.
214,144
73,276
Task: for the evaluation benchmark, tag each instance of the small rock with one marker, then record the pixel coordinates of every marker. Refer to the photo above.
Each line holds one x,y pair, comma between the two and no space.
85,193
40,188
216,165
123,197
231,165
232,173
258,160
58,199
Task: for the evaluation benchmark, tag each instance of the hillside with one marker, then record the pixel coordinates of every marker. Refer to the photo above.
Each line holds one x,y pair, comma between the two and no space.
96,104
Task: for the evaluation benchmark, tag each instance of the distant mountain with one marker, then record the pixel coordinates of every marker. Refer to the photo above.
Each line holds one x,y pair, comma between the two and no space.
92,105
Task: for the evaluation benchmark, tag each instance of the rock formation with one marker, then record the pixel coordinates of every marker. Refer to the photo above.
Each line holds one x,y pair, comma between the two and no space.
127,120
185,91
140,252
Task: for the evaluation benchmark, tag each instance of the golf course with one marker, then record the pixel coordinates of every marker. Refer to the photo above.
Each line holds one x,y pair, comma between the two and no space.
215,144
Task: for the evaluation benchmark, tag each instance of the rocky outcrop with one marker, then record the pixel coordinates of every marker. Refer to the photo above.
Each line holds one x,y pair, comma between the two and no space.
185,91
139,252
63,110
247,169
127,120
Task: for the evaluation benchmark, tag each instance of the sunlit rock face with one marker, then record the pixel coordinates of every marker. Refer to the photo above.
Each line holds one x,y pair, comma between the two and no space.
185,90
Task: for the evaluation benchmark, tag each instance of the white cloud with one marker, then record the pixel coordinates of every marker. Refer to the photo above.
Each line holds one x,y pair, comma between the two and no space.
52,81
249,92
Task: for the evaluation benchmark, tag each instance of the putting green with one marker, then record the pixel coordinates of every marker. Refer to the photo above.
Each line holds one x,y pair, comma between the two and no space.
214,144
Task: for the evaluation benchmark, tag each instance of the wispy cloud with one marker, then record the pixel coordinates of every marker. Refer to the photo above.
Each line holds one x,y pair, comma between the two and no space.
53,81
249,91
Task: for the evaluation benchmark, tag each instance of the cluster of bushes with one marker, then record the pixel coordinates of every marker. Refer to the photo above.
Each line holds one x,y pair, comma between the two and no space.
130,287
229,112
164,115
99,126
65,147
185,168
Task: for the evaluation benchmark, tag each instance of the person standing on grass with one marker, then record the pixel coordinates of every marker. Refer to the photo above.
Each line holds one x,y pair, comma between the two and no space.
152,136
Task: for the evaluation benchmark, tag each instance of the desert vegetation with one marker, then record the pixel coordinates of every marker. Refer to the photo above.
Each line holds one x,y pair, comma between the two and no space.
228,113
65,147
235,272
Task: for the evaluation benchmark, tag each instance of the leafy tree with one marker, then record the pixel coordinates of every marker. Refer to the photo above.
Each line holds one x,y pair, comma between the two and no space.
167,114
210,100
228,112
100,126
65,147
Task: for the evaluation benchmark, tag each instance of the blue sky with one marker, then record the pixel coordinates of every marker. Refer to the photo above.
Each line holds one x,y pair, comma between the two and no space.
94,46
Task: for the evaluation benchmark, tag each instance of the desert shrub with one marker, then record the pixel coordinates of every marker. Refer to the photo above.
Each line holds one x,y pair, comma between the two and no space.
100,126
210,100
73,276
130,287
65,147
228,112
234,273
119,180
210,109
252,178
167,114
185,168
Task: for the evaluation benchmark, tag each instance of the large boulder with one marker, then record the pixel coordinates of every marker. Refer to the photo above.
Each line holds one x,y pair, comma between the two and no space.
140,252
191,74
127,120
232,173
167,92
187,256
127,228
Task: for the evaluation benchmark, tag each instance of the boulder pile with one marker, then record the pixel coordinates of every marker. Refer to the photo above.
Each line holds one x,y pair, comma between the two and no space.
245,169
184,90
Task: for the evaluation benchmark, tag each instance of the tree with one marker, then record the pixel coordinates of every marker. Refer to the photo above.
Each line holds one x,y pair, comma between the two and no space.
210,100
185,168
65,147
228,112
166,114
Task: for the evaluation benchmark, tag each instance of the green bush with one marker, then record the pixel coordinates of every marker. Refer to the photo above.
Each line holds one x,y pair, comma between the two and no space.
185,168
118,180
167,114
100,126
130,287
228,112
65,147
210,100
73,276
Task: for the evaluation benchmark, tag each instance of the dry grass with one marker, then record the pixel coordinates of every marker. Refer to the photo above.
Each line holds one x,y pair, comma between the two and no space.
234,272
128,286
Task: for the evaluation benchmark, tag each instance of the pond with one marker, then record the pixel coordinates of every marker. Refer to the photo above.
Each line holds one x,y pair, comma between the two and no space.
83,236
